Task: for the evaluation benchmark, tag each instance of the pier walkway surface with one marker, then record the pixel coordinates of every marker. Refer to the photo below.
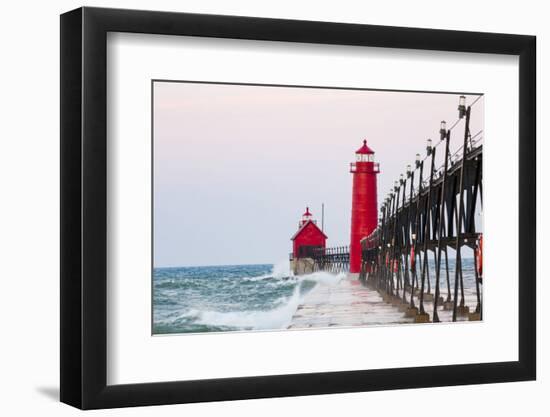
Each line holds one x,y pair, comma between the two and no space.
349,303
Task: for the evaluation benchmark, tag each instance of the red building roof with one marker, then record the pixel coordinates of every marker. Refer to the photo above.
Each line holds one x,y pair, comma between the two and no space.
304,226
364,149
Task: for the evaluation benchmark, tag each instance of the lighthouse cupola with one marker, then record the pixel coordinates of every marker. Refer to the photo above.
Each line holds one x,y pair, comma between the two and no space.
306,217
364,153
364,205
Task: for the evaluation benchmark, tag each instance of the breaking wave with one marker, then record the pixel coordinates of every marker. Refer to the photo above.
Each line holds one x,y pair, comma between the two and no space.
244,297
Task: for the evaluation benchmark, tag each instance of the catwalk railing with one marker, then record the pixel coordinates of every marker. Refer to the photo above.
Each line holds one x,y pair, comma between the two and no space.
427,222
335,259
425,218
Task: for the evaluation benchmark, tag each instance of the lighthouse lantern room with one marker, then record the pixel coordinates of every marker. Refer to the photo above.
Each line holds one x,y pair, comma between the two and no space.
364,206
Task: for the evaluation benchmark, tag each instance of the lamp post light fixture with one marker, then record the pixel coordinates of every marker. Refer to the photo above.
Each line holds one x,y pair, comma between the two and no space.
417,160
409,171
461,107
443,130
429,147
396,186
401,179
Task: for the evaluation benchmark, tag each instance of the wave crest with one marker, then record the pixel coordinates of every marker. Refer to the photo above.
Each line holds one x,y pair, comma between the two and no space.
277,318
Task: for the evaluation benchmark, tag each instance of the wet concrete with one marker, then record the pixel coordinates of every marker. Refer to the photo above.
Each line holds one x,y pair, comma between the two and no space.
349,304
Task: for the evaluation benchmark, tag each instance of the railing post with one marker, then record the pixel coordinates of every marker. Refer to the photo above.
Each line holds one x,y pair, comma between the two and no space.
408,244
471,227
416,236
427,217
405,235
395,242
440,227
458,259
382,248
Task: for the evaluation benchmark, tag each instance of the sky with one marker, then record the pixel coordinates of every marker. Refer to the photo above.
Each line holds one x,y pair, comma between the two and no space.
236,165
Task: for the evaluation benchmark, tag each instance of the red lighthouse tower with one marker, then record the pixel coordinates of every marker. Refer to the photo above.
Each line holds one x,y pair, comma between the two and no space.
364,204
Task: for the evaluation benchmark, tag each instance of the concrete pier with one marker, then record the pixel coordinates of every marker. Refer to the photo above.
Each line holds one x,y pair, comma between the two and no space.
349,303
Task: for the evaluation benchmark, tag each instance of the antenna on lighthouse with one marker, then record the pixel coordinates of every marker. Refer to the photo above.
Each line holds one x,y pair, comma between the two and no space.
322,217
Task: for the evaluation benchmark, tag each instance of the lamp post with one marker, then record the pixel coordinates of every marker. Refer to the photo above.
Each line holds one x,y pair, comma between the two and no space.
447,138
419,164
387,275
443,129
397,191
406,279
461,107
382,246
463,112
422,316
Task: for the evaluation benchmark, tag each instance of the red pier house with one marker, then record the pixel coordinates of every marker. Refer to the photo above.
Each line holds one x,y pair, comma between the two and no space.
308,237
364,204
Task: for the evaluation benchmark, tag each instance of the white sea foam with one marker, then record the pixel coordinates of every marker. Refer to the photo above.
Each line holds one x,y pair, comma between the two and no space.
281,269
277,318
324,278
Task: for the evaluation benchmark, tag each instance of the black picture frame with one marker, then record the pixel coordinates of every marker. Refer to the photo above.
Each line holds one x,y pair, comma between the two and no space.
84,207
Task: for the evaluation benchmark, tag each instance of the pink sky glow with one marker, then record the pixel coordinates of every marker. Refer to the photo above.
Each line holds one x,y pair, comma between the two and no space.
235,166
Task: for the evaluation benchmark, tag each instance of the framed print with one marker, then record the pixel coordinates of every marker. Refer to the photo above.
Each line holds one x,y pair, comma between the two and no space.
257,207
